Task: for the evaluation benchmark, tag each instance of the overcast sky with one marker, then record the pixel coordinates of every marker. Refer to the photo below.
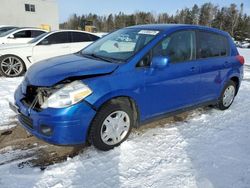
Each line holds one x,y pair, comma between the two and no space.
105,7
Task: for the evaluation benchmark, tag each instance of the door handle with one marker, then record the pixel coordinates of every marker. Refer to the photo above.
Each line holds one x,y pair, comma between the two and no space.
193,69
226,64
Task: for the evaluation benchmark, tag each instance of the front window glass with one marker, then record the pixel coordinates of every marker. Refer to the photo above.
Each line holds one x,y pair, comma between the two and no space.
121,45
178,47
23,34
56,38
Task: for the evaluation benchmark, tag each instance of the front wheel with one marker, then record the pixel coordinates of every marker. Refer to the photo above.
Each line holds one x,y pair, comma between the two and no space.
111,126
227,96
11,66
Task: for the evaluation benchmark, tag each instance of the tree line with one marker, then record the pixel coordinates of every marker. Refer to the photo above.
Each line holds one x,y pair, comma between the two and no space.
229,18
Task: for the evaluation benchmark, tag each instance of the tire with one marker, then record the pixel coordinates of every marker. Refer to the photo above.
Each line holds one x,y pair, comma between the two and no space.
230,91
103,124
11,66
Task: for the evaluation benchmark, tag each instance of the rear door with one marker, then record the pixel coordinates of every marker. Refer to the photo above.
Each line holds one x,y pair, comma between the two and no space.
56,44
214,60
80,40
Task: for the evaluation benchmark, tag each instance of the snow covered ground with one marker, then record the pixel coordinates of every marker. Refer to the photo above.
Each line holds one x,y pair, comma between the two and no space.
209,149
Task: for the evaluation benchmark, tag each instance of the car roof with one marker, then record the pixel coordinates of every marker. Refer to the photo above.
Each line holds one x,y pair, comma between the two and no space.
1,26
31,28
68,30
167,27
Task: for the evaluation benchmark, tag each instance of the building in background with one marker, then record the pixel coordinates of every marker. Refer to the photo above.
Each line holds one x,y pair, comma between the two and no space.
30,13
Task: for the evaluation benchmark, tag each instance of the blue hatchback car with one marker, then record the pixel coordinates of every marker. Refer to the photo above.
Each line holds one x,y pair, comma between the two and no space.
128,77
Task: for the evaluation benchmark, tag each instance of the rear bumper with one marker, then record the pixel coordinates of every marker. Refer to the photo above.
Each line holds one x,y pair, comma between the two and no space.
68,126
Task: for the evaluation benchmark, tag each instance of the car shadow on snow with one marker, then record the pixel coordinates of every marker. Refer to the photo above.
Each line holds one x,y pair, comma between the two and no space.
216,145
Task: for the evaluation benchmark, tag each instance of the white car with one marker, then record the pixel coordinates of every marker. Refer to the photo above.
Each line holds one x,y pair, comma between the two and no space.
16,59
245,44
5,28
20,35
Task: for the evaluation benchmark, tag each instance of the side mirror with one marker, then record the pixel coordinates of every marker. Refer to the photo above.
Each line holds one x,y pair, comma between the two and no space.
11,37
159,62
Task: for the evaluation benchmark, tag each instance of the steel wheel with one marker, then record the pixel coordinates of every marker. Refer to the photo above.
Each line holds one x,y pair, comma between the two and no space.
228,96
115,127
11,66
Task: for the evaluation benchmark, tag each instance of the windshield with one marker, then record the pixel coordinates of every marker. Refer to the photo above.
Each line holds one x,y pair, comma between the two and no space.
38,38
7,32
5,29
120,45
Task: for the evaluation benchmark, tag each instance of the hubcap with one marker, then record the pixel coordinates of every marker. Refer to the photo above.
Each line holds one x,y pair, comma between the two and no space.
115,127
228,96
11,66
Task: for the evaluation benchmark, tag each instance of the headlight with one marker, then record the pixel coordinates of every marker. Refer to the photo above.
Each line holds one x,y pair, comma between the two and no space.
68,95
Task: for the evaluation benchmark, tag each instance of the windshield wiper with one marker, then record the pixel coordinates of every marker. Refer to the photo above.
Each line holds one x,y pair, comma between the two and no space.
107,59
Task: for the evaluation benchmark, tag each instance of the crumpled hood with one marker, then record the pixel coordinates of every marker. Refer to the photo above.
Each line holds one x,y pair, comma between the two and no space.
52,71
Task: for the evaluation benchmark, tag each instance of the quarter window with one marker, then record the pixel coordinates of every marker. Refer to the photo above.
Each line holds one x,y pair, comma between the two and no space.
211,45
178,47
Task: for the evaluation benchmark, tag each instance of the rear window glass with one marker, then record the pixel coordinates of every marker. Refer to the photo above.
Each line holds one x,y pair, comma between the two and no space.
80,37
36,33
93,37
211,45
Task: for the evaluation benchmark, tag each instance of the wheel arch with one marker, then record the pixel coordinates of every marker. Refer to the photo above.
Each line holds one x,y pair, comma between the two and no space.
236,80
233,75
119,99
124,99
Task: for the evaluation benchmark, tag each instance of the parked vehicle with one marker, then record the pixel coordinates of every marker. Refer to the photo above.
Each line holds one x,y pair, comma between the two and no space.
238,43
20,35
5,28
99,94
16,59
245,44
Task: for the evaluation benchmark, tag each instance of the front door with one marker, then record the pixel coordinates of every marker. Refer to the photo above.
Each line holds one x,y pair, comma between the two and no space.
174,86
23,36
54,45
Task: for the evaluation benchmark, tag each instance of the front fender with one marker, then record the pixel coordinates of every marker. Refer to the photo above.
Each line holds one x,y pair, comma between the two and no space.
105,88
111,95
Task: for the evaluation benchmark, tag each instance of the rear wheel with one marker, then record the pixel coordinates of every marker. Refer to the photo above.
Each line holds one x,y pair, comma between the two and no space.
227,96
11,66
111,126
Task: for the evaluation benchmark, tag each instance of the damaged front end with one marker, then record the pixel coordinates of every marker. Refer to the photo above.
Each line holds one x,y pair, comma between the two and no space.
35,96
61,95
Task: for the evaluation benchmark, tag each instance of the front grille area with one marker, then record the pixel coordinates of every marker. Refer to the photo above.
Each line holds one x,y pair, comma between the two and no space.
31,93
26,121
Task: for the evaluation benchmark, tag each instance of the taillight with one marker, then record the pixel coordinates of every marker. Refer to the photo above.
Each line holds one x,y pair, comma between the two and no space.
240,59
